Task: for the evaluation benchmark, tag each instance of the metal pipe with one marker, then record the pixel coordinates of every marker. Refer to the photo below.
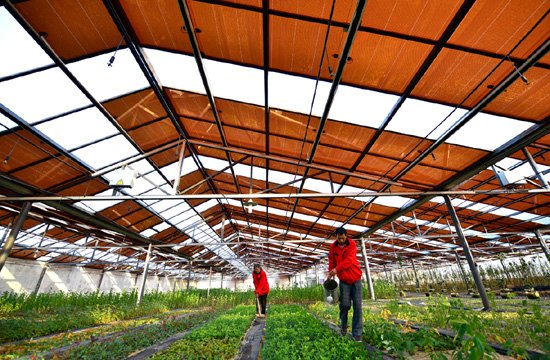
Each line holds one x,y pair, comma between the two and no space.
462,272
144,275
468,254
209,282
367,270
40,278
283,160
17,225
100,280
535,168
188,276
273,196
543,245
134,159
415,275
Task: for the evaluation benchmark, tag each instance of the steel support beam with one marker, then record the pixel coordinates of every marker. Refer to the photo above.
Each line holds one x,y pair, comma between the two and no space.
367,270
144,275
415,275
17,225
530,135
468,254
100,280
209,282
462,272
56,198
543,245
346,50
535,168
40,278
189,275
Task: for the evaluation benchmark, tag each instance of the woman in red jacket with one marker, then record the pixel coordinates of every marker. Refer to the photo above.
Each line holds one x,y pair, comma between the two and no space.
261,289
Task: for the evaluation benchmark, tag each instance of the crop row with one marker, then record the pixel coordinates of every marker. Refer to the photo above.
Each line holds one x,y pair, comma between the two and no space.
292,333
515,332
39,344
220,338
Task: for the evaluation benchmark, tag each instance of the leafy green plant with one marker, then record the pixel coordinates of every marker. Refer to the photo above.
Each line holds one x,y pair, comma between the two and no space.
220,338
292,333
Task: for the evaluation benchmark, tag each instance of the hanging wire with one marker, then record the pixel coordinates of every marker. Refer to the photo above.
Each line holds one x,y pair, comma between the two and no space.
112,59
318,77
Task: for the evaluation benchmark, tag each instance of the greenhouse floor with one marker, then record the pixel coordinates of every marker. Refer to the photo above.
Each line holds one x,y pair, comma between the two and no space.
223,325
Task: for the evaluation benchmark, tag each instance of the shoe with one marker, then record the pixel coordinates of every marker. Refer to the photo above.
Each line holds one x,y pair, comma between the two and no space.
343,332
262,315
357,338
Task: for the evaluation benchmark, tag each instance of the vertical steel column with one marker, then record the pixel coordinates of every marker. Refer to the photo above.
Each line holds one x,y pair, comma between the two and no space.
415,275
100,280
209,282
468,254
535,168
189,275
543,245
221,283
462,272
367,269
316,275
144,276
386,272
13,233
40,278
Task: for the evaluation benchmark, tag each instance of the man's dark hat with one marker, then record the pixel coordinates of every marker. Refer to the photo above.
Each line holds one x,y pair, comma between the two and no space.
330,284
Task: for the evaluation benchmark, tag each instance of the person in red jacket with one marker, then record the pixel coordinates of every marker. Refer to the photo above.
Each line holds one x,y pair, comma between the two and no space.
342,262
261,289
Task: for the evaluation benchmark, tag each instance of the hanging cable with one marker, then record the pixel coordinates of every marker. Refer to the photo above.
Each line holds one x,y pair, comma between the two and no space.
112,59
314,92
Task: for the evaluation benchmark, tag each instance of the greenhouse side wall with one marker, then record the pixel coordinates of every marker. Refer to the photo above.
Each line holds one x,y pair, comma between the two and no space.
22,276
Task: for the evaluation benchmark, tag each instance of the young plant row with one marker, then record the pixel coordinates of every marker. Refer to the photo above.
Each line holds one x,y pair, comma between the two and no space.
398,341
132,342
31,316
220,338
528,328
515,273
292,333
41,344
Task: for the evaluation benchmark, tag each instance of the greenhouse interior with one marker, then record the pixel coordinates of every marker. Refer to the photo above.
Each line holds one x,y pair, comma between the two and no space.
183,179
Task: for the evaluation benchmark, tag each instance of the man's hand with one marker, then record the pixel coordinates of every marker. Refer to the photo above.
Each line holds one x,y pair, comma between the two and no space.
331,274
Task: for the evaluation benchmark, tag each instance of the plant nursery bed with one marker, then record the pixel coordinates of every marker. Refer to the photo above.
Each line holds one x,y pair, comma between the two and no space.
82,336
96,338
132,340
291,332
219,338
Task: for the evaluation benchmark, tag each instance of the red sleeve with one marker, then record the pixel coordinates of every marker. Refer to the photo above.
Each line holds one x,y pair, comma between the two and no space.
350,257
331,261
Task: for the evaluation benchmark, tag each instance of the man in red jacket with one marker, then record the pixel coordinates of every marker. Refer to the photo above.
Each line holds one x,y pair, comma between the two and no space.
261,289
342,262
